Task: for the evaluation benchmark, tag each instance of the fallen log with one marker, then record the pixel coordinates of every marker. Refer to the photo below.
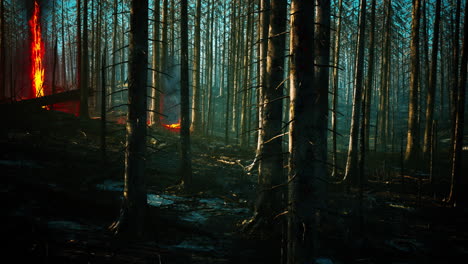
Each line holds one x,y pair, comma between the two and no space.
73,95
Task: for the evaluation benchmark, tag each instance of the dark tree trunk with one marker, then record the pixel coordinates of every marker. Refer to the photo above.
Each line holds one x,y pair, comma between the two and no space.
351,175
412,143
185,148
84,111
78,48
133,211
307,136
2,52
336,63
457,195
271,153
384,107
430,99
370,78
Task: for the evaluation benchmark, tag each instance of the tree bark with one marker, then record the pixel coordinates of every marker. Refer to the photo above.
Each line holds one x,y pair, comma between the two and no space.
384,107
307,137
196,111
370,78
2,52
412,143
351,175
430,98
155,94
84,111
134,203
457,196
271,161
336,63
185,148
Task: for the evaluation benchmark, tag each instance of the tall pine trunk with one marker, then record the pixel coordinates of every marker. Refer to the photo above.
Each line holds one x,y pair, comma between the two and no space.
154,117
307,136
185,148
196,92
134,200
430,98
456,191
370,78
84,87
351,172
271,153
336,63
412,143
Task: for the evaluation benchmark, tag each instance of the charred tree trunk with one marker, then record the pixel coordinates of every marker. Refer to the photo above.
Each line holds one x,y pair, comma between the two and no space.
196,92
351,175
134,203
307,136
430,98
412,143
185,147
457,195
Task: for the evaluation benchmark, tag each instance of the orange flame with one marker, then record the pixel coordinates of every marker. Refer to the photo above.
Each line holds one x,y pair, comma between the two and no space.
173,127
37,54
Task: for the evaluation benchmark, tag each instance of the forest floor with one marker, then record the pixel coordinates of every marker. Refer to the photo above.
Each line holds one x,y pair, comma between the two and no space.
59,198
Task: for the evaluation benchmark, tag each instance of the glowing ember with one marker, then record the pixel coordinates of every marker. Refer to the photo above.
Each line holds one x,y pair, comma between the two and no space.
173,127
37,53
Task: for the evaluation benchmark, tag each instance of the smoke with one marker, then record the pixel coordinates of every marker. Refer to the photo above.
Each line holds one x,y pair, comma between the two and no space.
171,96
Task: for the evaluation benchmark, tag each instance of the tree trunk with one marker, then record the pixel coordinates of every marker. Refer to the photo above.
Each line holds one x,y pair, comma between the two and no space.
164,53
412,143
134,203
453,92
271,153
185,148
2,52
370,79
114,56
263,25
196,111
307,136
430,98
336,63
78,48
384,109
456,191
245,88
155,94
351,175
84,111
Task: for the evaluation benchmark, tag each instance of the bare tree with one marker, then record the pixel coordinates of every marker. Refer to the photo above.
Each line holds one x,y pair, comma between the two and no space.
196,104
307,136
430,98
351,175
185,148
134,203
456,195
412,143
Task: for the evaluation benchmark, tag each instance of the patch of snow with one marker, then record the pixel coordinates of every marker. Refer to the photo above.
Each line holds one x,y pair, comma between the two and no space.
194,217
158,200
323,261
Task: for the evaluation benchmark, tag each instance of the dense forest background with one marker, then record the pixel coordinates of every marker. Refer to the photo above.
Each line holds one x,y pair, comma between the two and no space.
316,103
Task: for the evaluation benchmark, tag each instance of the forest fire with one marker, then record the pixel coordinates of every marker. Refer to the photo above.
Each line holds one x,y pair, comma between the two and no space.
173,127
37,54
